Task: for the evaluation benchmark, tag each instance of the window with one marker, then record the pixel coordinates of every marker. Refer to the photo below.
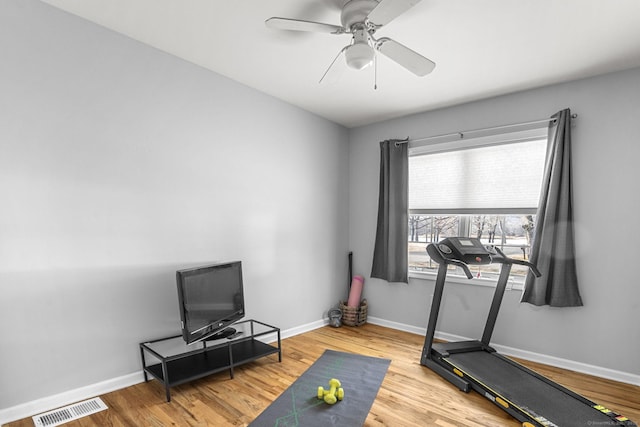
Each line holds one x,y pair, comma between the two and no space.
486,187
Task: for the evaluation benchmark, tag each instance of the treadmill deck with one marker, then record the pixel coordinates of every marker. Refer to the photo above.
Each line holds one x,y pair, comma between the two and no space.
544,402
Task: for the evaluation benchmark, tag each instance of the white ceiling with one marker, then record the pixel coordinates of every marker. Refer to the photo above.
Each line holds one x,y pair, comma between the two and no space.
481,48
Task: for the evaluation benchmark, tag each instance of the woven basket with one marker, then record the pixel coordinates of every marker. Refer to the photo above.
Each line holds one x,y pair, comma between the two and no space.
352,316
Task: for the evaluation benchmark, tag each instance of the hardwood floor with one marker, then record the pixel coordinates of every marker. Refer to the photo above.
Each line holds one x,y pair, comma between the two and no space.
411,395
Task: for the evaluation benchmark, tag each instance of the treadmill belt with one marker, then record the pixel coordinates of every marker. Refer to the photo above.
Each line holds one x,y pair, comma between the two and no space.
526,391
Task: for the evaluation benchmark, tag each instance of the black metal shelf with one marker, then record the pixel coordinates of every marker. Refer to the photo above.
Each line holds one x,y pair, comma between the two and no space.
192,364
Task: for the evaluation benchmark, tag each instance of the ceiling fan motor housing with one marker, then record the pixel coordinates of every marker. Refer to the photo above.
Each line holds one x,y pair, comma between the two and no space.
356,12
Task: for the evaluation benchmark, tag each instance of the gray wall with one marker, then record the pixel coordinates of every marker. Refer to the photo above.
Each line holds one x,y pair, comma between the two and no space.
120,164
603,333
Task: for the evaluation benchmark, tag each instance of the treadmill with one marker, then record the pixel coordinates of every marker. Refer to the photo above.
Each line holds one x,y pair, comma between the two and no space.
531,398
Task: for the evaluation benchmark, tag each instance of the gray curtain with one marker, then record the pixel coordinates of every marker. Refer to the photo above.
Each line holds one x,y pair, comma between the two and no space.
390,258
553,249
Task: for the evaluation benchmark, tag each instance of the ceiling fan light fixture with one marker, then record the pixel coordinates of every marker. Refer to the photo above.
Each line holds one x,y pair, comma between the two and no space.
359,55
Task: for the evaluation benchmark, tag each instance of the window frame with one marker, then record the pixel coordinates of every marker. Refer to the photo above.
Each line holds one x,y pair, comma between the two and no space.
464,215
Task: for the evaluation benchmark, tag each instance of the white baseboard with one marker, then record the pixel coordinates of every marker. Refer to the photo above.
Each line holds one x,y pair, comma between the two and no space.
395,325
72,396
303,328
598,371
68,397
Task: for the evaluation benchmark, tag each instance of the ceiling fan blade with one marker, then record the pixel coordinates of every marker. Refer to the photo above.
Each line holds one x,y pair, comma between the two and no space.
300,25
412,61
387,10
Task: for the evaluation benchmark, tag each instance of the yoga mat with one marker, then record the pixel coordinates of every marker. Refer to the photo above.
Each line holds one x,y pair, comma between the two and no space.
299,405
355,292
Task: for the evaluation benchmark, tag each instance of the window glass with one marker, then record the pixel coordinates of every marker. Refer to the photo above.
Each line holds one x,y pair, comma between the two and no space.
510,233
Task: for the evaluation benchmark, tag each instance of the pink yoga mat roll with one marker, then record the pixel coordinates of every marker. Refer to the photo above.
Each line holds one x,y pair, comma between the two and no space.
356,291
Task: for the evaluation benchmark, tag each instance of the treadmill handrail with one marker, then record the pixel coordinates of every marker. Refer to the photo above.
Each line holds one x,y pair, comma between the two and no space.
436,254
507,260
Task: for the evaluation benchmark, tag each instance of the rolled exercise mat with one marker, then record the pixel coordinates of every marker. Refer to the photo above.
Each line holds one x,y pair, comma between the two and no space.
356,291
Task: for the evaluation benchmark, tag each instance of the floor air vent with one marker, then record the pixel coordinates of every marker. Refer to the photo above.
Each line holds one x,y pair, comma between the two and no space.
69,413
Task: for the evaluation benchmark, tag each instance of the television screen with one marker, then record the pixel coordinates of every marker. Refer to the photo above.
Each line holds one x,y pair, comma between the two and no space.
211,298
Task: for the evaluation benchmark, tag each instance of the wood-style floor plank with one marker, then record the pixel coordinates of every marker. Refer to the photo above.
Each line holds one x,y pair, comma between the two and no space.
410,395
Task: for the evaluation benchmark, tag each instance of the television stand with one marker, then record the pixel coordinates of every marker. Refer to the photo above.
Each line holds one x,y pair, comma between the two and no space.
173,362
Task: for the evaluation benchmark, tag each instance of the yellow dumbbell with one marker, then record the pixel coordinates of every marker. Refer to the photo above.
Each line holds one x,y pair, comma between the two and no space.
335,393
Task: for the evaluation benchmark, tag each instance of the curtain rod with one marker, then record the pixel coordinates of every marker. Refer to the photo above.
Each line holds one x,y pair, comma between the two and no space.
461,134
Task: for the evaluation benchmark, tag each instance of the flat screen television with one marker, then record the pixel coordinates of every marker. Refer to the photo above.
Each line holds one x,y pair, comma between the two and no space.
211,298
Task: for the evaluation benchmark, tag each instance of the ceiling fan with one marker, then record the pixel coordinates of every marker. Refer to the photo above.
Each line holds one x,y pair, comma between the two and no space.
361,19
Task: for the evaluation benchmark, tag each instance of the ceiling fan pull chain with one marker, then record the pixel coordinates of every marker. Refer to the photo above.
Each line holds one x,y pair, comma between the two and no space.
333,62
375,72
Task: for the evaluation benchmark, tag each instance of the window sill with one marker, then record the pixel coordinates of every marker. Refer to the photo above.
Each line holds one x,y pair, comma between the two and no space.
512,285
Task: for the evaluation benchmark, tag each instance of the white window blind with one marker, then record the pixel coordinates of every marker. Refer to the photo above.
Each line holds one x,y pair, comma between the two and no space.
487,178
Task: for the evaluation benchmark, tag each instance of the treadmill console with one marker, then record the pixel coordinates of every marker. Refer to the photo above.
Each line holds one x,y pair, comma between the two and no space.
466,249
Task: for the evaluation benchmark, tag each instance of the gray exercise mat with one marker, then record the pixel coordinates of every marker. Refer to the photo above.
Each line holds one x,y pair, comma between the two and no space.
299,405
